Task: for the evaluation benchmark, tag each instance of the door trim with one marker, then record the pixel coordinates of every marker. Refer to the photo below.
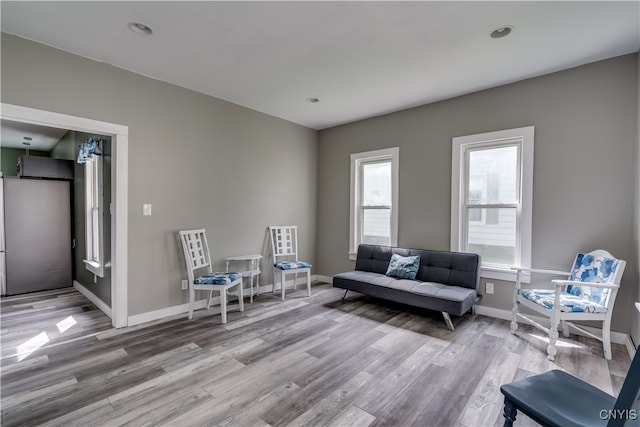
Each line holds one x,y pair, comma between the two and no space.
119,186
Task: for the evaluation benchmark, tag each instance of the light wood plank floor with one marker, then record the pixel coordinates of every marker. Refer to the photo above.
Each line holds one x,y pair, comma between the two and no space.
305,361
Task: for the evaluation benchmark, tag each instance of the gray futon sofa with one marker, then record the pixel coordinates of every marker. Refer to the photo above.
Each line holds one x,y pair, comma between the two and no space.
445,281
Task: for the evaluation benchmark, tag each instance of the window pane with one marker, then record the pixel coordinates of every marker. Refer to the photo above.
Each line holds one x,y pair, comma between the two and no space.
376,184
95,190
95,228
493,175
495,238
376,226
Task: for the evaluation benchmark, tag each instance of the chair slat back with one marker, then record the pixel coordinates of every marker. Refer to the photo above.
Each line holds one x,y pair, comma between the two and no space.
196,250
627,406
284,241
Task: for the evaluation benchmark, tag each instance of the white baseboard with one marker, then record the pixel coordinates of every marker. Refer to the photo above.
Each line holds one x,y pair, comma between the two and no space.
154,315
616,337
150,316
323,279
93,298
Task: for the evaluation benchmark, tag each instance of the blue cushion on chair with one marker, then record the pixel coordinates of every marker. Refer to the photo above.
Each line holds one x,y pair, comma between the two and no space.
568,302
291,265
217,278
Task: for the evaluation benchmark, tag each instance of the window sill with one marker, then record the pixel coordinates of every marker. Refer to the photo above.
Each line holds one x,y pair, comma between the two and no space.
353,256
505,274
94,267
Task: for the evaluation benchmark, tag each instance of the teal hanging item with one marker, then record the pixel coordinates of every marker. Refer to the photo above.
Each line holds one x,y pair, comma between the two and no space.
88,149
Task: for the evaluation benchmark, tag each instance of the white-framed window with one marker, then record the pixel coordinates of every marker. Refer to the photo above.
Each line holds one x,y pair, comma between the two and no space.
93,197
374,199
491,199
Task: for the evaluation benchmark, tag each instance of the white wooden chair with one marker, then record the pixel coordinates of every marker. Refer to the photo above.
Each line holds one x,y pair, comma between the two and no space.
284,247
197,257
588,294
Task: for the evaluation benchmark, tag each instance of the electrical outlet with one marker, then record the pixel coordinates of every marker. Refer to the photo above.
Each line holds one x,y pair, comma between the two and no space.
185,285
489,288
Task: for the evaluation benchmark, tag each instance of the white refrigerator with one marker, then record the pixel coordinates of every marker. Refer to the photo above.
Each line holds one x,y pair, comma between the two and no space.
35,235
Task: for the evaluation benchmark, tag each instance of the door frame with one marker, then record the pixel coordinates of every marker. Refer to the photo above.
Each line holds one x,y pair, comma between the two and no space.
119,186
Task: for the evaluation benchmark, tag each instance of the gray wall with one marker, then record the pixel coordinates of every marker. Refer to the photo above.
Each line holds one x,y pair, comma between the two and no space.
635,330
585,120
200,161
66,147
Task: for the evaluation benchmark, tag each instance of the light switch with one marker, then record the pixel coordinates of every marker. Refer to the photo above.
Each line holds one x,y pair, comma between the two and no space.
146,209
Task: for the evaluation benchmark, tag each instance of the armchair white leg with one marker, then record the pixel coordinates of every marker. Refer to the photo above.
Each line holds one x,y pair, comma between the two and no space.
514,315
565,329
553,337
606,337
308,283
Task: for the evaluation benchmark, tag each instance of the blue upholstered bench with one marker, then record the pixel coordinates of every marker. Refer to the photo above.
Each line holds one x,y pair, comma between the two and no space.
444,281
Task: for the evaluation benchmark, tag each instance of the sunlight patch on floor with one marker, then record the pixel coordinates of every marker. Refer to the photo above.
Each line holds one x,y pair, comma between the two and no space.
558,342
65,324
28,347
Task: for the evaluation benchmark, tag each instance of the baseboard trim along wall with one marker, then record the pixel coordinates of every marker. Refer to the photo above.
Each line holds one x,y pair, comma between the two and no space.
93,298
323,279
150,316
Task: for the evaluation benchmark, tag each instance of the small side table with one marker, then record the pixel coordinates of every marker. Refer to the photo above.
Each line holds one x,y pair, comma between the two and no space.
253,261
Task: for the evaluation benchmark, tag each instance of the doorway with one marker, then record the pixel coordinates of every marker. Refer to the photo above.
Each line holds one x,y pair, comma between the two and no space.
119,135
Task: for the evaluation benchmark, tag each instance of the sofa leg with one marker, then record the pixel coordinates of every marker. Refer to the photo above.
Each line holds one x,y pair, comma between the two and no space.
345,294
447,320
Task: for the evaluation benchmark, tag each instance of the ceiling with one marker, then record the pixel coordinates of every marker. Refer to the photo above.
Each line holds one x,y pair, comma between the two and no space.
360,59
12,135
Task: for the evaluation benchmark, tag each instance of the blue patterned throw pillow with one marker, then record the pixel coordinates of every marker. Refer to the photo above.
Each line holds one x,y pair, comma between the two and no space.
403,267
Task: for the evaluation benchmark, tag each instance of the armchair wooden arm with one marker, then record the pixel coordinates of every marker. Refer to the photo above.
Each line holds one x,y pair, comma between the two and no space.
559,283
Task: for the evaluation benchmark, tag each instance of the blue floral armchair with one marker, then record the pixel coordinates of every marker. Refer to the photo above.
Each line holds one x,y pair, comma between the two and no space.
588,294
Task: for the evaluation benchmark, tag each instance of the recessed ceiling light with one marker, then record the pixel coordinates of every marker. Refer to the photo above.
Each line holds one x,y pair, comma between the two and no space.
140,28
312,100
501,31
26,143
27,138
